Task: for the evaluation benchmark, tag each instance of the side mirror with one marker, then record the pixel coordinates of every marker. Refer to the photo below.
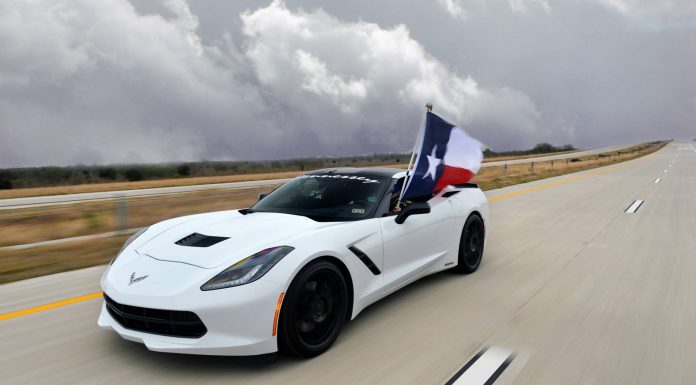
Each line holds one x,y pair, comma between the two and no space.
262,195
415,208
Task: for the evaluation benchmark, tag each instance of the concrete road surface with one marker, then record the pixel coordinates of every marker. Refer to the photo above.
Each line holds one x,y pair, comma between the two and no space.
580,290
48,200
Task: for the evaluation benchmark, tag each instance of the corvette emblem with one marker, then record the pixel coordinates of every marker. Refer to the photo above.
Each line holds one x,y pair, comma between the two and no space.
134,280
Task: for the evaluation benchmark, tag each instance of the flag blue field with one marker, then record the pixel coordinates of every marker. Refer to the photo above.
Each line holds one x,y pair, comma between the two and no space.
446,156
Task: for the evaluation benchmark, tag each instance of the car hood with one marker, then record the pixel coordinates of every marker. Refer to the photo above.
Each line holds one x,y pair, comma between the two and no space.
246,235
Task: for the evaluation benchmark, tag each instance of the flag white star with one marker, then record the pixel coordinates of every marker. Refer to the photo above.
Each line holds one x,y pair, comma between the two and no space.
433,162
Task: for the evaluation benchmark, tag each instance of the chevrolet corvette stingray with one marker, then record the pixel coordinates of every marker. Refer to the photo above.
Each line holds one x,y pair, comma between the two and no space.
287,273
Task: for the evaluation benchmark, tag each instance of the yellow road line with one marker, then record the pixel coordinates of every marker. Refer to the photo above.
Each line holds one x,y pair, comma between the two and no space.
87,297
49,306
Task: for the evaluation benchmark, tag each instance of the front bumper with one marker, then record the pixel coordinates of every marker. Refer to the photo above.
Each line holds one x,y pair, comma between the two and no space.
239,320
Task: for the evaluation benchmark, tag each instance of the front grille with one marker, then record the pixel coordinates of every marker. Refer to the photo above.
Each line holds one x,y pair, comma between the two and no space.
172,323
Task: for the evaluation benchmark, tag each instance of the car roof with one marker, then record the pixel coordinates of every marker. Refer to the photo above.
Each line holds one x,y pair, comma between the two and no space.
366,171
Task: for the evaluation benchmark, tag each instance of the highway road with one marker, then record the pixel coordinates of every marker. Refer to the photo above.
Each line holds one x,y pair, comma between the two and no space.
580,290
48,200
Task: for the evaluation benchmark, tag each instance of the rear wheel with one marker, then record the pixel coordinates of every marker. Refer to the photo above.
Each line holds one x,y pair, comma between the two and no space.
314,310
471,245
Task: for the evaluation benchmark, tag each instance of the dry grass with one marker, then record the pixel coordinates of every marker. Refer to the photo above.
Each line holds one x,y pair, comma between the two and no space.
513,157
56,222
496,177
116,186
23,264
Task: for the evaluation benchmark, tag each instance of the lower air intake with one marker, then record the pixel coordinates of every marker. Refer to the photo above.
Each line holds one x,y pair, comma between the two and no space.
171,323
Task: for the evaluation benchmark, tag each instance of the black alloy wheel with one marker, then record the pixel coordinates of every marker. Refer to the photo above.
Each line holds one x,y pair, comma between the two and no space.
314,310
471,245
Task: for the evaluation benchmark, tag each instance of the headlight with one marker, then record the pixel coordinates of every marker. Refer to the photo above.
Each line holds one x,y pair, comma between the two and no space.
249,269
128,242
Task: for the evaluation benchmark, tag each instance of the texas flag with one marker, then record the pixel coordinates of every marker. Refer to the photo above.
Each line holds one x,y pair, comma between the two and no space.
447,156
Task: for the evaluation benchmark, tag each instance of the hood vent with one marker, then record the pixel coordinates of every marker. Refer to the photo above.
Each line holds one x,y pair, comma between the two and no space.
199,240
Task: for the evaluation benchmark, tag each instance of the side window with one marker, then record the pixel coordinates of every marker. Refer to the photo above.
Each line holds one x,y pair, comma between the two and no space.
395,193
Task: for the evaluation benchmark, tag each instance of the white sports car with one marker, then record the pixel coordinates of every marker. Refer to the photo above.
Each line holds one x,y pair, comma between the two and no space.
287,273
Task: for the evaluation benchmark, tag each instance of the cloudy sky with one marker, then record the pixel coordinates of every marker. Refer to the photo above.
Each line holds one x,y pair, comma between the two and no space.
116,81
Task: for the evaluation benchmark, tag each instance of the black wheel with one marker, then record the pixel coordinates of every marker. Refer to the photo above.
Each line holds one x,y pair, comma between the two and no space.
314,310
471,245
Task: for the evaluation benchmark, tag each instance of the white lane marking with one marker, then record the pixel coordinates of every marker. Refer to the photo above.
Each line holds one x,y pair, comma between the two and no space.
658,180
666,171
634,207
692,146
491,363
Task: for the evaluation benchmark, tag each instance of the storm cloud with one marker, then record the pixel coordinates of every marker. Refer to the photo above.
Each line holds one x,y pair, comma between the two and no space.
118,81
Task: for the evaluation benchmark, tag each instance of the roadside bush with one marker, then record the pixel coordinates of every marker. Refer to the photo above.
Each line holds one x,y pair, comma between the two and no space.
133,174
5,184
107,173
184,170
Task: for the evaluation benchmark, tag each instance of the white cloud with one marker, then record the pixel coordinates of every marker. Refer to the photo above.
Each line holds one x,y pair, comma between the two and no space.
453,7
318,80
43,48
524,6
359,66
84,81
187,22
464,8
653,9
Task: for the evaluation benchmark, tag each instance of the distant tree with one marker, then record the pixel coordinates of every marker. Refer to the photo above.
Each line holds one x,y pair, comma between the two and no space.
184,170
133,174
107,173
543,147
8,174
221,166
5,184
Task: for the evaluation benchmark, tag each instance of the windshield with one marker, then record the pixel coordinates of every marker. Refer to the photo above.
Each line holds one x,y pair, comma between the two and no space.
327,197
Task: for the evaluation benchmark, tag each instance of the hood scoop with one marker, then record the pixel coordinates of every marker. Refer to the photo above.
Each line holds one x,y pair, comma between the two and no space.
199,240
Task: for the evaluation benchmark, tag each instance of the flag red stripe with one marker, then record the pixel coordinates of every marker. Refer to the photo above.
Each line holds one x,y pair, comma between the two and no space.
453,175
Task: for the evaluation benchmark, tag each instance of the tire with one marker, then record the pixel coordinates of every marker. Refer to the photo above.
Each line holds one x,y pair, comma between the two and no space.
471,245
314,310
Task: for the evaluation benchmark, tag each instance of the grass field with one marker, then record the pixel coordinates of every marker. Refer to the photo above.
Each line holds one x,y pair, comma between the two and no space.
56,222
116,186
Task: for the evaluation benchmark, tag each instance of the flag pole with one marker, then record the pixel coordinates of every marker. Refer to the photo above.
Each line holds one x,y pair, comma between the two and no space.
429,108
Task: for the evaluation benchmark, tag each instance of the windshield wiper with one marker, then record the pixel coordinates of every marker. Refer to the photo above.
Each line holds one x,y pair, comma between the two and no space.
245,211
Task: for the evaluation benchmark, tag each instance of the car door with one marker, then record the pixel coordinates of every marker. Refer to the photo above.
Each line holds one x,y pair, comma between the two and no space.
413,247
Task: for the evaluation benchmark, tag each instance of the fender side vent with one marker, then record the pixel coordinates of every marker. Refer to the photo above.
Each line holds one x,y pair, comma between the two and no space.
199,240
365,259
